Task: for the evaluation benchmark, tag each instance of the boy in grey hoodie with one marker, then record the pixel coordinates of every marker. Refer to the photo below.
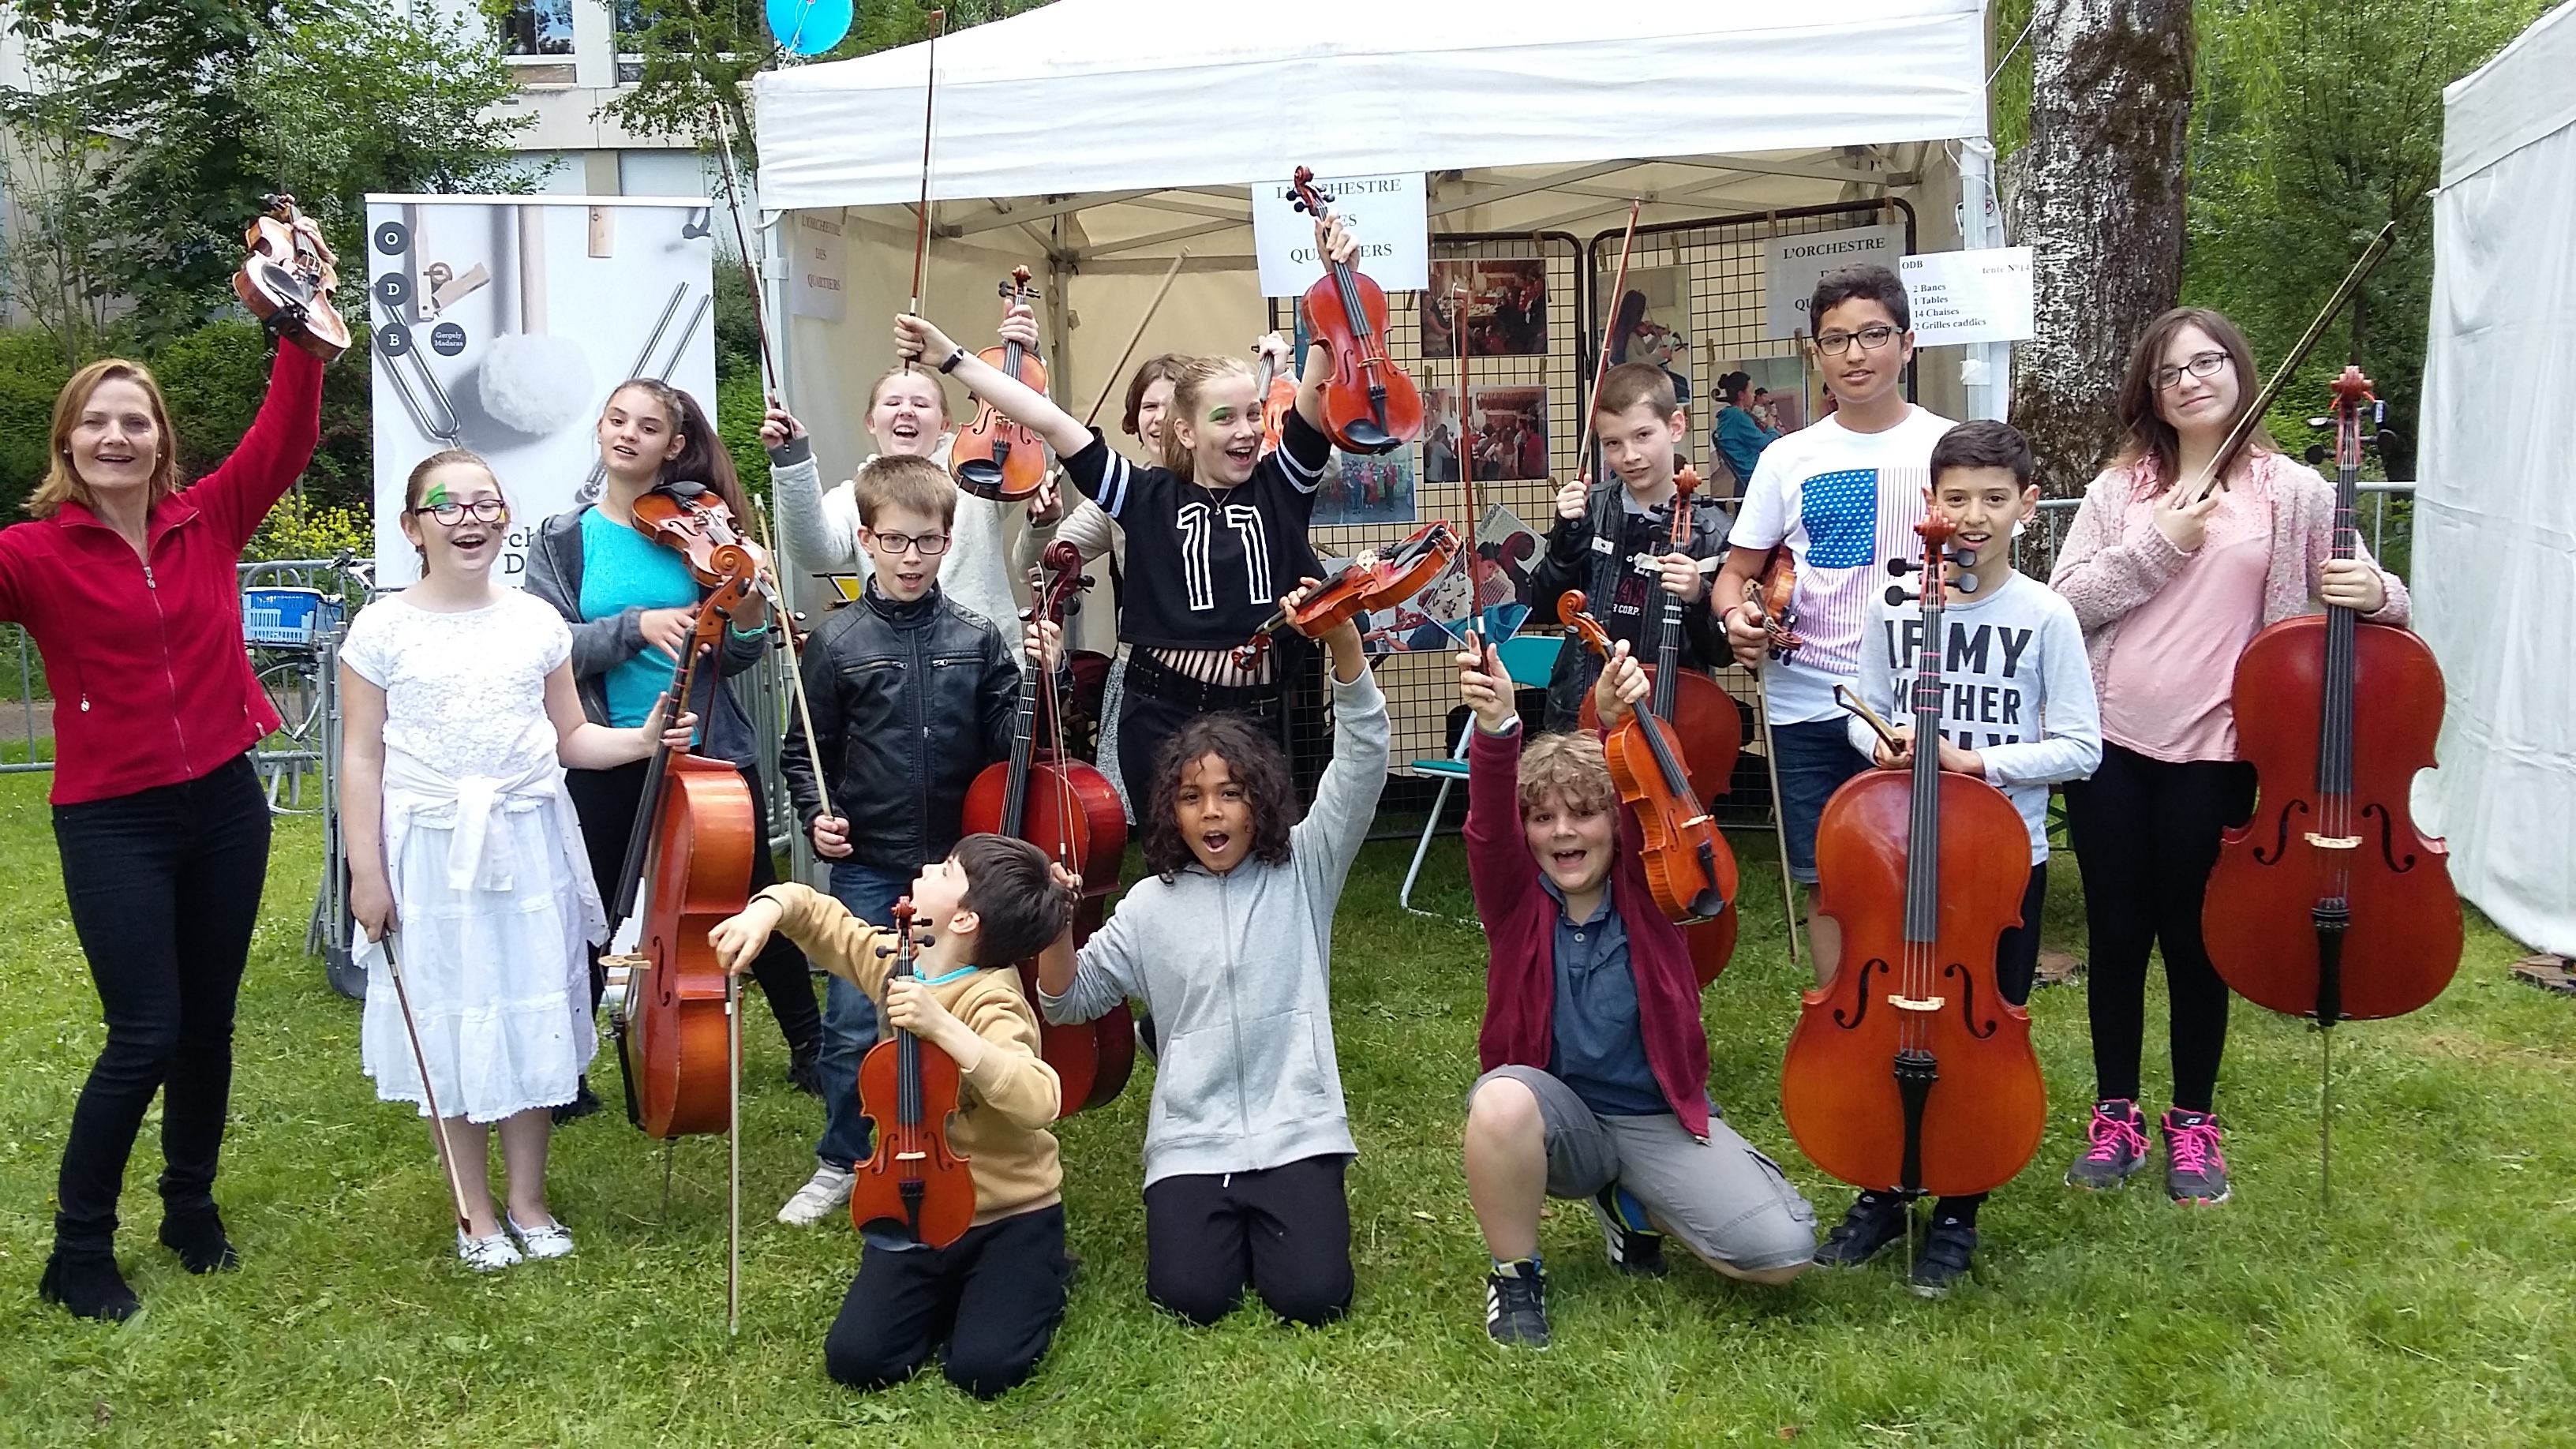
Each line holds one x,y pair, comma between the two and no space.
1229,942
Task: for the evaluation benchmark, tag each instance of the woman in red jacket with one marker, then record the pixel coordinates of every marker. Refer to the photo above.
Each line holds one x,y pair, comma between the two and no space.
126,581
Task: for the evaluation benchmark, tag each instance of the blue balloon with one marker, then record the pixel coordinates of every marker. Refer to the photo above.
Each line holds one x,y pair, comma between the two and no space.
809,27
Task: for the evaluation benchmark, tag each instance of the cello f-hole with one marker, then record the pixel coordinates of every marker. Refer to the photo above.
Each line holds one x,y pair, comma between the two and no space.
2281,845
1968,1002
1877,964
2388,838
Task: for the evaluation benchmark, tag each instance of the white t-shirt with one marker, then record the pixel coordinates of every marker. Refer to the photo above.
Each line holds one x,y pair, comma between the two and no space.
2017,689
1843,502
466,692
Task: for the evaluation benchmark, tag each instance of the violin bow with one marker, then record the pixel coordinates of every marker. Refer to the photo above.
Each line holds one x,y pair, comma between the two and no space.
733,1153
1109,383
921,227
742,245
2219,462
1466,457
1618,289
795,670
429,1094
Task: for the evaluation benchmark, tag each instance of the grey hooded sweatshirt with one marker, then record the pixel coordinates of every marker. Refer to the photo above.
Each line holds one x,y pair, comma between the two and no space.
1237,969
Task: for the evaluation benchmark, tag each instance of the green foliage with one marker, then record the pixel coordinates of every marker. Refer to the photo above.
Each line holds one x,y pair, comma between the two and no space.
2315,125
215,378
32,373
300,528
2417,1311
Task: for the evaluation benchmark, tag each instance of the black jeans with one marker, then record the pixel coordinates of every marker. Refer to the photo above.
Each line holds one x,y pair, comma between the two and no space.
164,889
994,1297
2146,836
1284,1232
606,801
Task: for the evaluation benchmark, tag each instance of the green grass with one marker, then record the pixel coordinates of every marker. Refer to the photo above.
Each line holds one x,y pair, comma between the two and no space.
2428,1307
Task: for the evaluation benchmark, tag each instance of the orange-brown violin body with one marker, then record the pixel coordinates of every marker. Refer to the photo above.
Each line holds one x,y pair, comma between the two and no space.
1370,404
1689,868
914,1180
992,456
1371,581
287,281
699,874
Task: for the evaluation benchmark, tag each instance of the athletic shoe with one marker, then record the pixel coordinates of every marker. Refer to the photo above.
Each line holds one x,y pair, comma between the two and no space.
1873,1222
1943,1261
827,1191
487,1255
1626,1236
1516,1304
546,1240
2195,1170
2119,1134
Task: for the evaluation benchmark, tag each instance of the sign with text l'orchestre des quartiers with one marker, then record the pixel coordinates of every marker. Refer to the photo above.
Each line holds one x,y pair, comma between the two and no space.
1791,265
1386,214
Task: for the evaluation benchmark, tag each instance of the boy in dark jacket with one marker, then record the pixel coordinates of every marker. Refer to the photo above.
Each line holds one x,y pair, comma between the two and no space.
1595,1062
1613,540
912,696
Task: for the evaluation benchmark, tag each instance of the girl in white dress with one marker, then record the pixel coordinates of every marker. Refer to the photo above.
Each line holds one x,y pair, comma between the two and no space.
460,715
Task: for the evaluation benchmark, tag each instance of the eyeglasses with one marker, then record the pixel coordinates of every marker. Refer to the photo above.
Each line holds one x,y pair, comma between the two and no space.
1871,339
896,545
2205,364
485,510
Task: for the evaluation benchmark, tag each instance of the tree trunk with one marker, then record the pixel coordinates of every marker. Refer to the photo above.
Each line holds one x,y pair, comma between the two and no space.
2100,202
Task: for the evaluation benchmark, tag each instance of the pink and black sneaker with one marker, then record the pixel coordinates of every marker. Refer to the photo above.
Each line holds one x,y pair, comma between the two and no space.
2195,1170
2119,1146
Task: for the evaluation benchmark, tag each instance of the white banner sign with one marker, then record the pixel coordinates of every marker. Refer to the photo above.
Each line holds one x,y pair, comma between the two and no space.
1791,265
1980,296
818,250
1385,213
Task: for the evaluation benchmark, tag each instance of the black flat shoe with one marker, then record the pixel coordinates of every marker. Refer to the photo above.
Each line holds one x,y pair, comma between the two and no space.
198,1238
88,1285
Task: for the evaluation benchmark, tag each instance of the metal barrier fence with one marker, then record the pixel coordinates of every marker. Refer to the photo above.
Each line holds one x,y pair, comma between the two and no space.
2387,514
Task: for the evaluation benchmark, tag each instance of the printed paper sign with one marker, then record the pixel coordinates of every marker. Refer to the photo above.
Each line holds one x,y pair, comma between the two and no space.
1980,296
818,250
1791,265
1385,213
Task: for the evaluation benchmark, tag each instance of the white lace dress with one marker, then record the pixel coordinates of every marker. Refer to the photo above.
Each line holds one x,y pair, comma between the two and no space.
492,890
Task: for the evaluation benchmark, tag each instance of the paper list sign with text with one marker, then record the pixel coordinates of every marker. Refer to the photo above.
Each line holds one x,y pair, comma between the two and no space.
1385,213
818,256
1960,297
1791,265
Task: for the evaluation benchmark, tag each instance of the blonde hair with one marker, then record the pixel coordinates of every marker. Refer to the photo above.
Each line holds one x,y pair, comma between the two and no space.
62,482
917,485
1570,767
1190,383
900,369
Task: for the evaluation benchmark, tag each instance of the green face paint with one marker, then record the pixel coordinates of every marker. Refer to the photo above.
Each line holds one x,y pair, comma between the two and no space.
436,497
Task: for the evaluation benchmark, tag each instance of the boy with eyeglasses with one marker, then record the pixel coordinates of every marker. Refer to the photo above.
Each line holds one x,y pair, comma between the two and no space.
1841,496
912,696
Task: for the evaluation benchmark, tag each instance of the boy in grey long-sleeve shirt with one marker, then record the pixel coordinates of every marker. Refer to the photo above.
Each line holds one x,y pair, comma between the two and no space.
1229,942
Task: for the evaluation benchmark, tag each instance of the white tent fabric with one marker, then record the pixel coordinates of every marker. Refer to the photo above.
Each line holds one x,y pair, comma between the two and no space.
1110,95
2495,523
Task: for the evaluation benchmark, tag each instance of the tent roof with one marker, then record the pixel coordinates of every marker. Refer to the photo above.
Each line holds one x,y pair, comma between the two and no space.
2512,100
1107,96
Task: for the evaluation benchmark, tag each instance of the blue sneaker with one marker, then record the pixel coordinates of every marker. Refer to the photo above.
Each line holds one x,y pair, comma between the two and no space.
1626,1234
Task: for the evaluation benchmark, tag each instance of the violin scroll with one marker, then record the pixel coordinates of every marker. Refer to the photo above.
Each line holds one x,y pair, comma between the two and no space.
287,280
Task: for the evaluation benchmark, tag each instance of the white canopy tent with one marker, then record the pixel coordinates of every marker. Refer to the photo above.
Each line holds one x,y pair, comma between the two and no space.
2495,522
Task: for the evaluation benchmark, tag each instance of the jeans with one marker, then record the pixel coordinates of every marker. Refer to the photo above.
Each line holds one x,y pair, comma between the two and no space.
1816,757
164,889
850,1019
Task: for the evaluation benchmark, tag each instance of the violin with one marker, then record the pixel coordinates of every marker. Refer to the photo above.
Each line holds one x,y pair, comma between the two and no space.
992,456
1069,809
1689,868
914,1180
2329,903
1370,404
1371,580
1908,1071
1771,595
693,842
287,280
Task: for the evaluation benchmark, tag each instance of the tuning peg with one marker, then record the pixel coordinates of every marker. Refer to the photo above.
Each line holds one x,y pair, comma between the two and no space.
1900,567
1898,595
1965,583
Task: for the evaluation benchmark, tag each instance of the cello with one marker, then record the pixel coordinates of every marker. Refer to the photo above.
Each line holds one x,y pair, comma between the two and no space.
908,1087
994,457
1689,869
1370,404
1907,1070
1067,808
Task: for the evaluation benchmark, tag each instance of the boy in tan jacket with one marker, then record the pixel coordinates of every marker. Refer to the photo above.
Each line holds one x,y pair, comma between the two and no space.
995,1296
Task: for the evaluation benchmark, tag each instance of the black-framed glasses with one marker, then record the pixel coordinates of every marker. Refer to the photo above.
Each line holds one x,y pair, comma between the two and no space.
896,545
2199,364
485,510
1871,339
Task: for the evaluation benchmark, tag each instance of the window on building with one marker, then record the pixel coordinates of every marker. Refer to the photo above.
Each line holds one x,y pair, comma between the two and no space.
537,27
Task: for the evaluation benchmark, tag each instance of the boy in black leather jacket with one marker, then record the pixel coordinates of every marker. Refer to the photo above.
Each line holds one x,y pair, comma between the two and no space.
912,696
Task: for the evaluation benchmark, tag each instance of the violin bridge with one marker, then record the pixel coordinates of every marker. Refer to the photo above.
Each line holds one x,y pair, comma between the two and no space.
910,1156
2334,842
1916,1003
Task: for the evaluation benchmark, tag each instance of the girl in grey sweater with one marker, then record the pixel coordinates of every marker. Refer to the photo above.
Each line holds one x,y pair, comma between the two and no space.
1229,943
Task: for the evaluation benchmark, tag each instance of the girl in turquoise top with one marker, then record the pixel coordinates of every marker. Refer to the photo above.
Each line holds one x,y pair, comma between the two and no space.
628,602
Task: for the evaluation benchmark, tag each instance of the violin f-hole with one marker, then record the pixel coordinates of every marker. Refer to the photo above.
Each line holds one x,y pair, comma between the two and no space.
2281,844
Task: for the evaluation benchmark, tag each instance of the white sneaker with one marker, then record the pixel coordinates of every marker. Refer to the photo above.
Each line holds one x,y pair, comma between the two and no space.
547,1240
823,1194
487,1255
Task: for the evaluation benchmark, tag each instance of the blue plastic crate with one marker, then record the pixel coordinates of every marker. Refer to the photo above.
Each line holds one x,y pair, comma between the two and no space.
287,616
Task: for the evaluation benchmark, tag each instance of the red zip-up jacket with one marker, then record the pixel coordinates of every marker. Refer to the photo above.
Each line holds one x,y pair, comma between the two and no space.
1520,934
152,685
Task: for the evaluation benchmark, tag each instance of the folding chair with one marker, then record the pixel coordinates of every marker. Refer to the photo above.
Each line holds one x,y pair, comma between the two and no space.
1529,660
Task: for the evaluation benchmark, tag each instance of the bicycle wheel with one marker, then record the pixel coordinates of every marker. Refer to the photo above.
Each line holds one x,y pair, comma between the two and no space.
294,749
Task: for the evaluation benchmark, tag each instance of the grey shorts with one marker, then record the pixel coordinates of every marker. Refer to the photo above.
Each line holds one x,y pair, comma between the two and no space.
1726,1201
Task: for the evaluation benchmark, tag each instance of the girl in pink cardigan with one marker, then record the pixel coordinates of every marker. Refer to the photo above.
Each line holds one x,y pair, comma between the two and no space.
2171,576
